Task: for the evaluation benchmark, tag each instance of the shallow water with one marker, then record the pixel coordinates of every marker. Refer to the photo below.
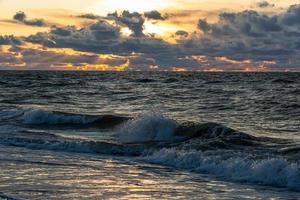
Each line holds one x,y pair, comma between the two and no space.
145,134
51,175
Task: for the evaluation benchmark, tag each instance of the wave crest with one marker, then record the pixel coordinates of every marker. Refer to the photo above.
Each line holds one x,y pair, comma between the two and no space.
50,117
267,171
148,127
39,117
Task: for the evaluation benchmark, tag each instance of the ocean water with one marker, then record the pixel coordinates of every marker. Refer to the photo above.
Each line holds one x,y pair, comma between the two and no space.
149,135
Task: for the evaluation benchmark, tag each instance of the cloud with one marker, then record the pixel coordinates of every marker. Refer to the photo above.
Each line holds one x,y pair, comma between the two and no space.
103,38
37,57
292,16
89,16
154,14
134,21
182,33
97,37
10,40
203,25
265,4
250,34
21,17
246,40
66,31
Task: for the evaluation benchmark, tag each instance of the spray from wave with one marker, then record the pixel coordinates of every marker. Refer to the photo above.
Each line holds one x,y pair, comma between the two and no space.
148,127
242,167
205,148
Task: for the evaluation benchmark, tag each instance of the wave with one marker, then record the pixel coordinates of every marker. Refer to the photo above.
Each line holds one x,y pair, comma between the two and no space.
46,141
42,117
171,80
145,128
148,127
275,171
201,147
145,80
242,166
150,130
209,130
8,197
49,117
154,127
280,80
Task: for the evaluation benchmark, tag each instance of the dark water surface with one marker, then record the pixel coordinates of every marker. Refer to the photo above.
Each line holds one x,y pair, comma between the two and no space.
236,127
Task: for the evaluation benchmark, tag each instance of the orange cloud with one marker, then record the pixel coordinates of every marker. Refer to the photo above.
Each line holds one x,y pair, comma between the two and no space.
31,56
214,70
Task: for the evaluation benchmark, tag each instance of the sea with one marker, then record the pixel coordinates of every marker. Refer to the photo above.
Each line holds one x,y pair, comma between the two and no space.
149,135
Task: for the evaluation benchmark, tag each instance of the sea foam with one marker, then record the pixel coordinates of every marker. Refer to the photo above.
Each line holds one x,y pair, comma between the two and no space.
148,127
273,171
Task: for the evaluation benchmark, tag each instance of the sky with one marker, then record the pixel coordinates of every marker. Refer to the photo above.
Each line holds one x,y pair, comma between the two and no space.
164,35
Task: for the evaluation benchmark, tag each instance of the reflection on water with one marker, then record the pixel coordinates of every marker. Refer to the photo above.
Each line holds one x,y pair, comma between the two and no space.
29,174
56,115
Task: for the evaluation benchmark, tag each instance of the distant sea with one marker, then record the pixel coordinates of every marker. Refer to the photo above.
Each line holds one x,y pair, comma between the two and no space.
149,135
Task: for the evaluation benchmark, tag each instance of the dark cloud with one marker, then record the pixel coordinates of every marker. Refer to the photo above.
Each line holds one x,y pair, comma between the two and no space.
203,25
10,40
292,16
39,56
237,40
35,22
104,31
182,33
145,45
134,21
98,37
250,35
21,17
105,38
89,16
154,14
265,4
66,31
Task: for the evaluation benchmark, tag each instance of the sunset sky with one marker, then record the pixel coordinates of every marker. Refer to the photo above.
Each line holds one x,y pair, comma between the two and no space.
175,35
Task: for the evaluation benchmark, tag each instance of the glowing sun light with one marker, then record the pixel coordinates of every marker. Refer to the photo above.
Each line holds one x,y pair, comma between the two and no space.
130,5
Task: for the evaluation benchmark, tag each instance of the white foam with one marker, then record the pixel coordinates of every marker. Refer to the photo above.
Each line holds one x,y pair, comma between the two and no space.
268,171
147,127
47,117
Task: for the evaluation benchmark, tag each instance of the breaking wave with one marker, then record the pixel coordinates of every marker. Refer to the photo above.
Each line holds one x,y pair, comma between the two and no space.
40,117
148,127
49,117
209,148
275,171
